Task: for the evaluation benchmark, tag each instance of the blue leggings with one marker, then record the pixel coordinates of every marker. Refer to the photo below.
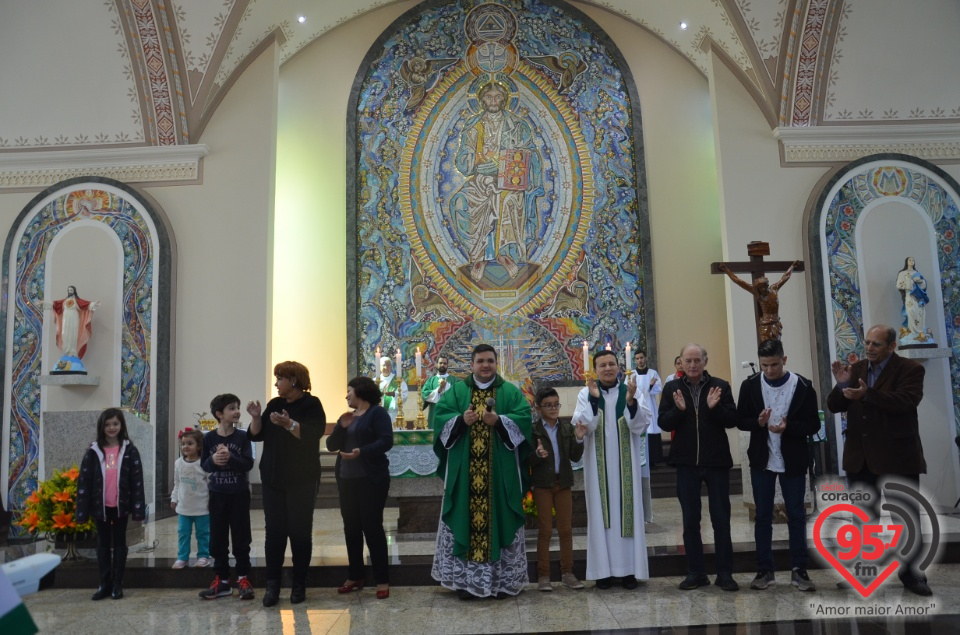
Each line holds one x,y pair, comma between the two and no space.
202,525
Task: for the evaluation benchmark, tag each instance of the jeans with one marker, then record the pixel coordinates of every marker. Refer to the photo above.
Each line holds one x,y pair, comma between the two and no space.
547,499
230,516
186,524
793,488
361,507
288,513
718,493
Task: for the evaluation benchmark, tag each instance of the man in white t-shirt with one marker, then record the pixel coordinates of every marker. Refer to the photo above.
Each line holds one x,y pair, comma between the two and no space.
779,410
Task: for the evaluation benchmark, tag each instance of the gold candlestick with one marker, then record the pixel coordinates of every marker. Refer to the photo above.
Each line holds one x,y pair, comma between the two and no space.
400,423
421,422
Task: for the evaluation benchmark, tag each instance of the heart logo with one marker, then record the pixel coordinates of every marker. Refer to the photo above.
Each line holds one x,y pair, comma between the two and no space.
864,591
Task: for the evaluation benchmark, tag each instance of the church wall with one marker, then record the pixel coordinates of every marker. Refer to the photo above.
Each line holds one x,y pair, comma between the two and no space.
310,310
763,201
311,178
222,229
683,192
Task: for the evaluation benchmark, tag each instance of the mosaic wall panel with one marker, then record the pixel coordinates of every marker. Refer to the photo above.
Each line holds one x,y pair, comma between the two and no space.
860,189
499,191
138,279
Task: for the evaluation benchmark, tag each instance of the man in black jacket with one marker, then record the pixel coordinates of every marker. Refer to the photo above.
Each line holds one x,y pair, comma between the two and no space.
700,409
779,410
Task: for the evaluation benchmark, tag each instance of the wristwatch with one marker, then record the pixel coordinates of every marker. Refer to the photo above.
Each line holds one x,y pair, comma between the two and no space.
293,426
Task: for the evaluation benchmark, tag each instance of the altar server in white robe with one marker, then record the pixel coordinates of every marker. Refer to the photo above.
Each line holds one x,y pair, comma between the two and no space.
652,448
616,416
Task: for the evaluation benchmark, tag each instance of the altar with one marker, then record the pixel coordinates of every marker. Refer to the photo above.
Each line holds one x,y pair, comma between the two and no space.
413,462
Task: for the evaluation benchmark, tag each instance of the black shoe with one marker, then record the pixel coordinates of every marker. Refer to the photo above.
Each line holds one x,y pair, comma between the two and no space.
917,585
629,583
502,595
727,583
694,581
463,594
603,583
106,574
119,565
272,593
844,586
298,593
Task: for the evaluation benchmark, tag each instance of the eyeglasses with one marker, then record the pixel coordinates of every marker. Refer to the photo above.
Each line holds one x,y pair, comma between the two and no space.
550,406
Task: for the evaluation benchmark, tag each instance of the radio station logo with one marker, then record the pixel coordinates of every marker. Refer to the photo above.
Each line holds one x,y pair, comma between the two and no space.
866,548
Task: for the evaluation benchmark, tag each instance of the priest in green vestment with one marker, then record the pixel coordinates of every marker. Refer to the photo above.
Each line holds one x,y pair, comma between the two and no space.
391,387
436,386
482,437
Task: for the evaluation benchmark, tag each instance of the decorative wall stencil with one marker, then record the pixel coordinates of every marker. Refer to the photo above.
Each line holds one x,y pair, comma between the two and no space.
25,275
499,194
859,189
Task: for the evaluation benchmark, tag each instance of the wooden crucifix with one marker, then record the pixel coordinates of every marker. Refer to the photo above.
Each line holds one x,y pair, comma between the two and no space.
767,305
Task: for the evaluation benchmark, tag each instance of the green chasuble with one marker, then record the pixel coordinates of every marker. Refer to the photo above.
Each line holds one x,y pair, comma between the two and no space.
484,482
431,384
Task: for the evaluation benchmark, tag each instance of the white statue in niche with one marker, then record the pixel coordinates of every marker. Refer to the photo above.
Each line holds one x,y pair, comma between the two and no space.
73,315
913,291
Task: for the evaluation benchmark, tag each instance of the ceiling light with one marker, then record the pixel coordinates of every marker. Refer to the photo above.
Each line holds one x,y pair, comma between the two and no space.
302,19
683,26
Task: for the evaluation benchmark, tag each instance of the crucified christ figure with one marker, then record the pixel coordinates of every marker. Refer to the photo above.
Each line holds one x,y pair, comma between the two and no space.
765,293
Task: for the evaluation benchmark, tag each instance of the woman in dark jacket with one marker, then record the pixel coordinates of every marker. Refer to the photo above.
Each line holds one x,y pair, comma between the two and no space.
363,479
290,428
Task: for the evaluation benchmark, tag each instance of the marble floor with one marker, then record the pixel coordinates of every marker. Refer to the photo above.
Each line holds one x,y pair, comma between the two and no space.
656,605
665,532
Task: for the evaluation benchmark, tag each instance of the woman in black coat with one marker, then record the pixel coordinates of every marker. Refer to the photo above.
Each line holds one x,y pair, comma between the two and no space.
363,479
290,428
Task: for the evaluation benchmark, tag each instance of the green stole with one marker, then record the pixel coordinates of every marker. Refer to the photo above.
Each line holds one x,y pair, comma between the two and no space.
626,465
392,386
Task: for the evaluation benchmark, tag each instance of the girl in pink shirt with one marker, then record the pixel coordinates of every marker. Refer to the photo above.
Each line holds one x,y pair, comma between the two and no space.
110,489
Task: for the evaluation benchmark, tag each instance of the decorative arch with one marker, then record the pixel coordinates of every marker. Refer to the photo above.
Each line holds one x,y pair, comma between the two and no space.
147,275
423,266
843,202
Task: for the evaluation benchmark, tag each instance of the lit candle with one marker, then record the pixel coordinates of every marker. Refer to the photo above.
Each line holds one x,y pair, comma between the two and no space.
399,365
628,357
586,357
419,359
607,347
378,361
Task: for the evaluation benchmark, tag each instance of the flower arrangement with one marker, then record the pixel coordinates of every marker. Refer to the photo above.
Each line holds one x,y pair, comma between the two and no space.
529,507
52,507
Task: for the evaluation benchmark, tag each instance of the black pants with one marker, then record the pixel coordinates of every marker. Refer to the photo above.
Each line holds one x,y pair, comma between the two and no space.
656,448
909,569
112,531
230,518
288,513
718,495
361,506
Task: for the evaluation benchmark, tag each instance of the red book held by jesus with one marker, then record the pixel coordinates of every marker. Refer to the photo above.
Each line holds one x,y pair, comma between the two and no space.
514,169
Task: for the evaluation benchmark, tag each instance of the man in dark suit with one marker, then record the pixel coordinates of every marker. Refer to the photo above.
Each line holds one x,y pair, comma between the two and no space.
880,395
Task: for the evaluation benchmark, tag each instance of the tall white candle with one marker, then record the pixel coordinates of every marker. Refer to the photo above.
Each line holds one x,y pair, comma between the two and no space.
628,356
586,357
419,360
607,347
398,369
378,361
